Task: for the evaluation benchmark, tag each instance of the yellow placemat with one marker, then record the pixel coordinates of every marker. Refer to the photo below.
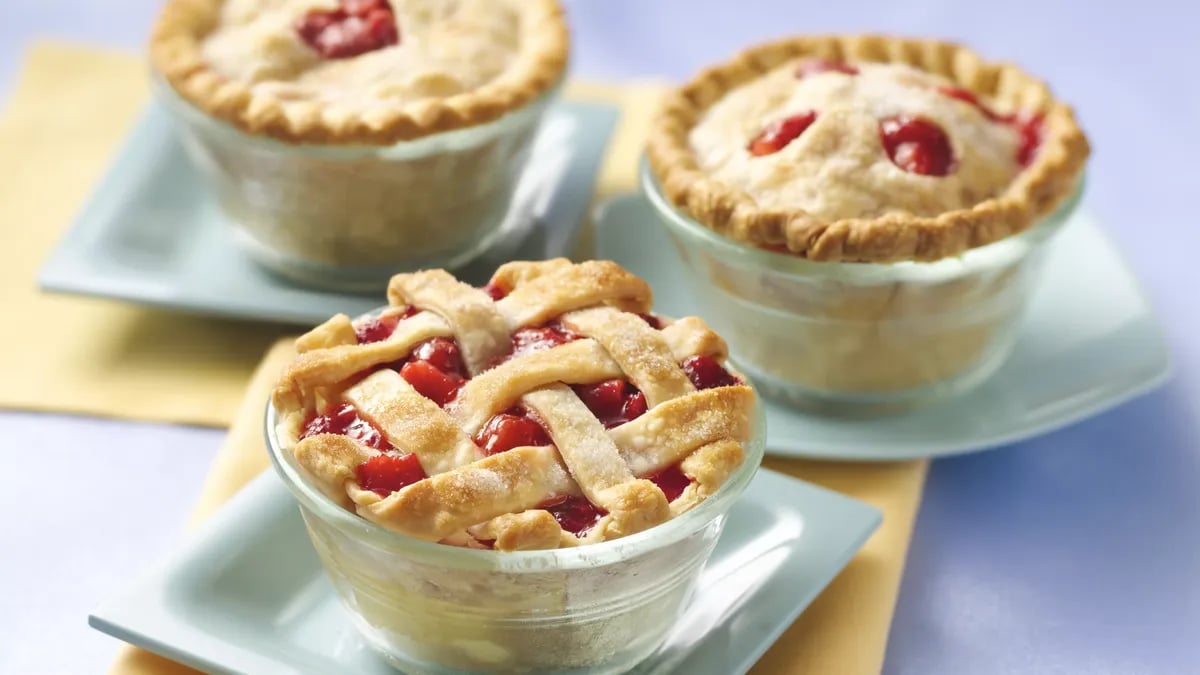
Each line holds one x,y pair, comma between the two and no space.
68,114
843,632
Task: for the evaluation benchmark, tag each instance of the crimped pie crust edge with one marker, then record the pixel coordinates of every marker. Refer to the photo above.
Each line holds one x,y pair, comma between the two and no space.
175,54
1035,192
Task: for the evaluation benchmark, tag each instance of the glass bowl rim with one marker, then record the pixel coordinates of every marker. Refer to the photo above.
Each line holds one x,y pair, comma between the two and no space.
181,108
594,555
1003,251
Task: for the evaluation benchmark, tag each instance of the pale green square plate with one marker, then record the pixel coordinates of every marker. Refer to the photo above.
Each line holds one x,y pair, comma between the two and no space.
246,593
152,234
1090,341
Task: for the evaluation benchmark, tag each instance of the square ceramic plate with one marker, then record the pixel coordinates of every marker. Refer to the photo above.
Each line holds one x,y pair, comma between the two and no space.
151,233
246,593
1074,358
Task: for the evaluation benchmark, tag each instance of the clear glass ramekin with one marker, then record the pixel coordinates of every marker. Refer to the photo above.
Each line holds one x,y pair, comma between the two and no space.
435,608
861,337
348,217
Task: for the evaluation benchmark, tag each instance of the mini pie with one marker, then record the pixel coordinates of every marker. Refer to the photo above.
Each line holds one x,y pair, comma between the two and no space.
866,149
546,409
359,71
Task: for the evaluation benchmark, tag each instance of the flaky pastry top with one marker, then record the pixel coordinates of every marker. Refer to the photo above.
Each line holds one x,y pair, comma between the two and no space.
455,63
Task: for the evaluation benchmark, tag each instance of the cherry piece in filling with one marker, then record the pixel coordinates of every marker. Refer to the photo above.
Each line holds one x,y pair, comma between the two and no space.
529,340
442,353
779,133
510,430
494,291
671,481
430,382
613,402
655,322
344,420
706,373
1030,129
970,98
818,66
917,145
377,329
574,514
355,27
384,474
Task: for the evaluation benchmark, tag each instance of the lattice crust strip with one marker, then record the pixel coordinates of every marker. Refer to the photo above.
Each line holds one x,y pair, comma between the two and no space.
469,497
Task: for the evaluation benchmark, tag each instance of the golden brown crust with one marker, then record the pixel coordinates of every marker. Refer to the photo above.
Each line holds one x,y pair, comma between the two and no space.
176,54
502,497
1043,185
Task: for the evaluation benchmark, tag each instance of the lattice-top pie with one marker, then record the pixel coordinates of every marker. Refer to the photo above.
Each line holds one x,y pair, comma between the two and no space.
866,149
547,409
359,71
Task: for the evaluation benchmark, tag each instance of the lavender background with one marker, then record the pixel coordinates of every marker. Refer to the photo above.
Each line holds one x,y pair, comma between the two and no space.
1078,552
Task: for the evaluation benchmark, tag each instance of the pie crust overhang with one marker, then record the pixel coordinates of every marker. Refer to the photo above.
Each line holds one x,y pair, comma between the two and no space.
1051,176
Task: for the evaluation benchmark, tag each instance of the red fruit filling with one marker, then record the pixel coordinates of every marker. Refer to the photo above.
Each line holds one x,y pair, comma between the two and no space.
1030,129
970,98
655,322
779,133
384,474
377,329
818,66
355,27
706,373
917,145
494,291
513,429
671,481
441,353
613,402
574,514
529,340
430,382
344,420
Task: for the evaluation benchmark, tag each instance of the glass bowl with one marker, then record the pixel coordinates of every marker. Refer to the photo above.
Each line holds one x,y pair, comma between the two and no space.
434,608
861,337
349,217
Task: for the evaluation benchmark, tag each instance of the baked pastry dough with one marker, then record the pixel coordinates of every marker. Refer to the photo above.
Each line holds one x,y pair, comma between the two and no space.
549,409
263,66
806,145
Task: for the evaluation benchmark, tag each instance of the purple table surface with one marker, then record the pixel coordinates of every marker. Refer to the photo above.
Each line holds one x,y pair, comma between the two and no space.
1077,552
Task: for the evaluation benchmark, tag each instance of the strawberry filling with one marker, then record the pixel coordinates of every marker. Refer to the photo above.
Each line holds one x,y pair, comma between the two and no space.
354,27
